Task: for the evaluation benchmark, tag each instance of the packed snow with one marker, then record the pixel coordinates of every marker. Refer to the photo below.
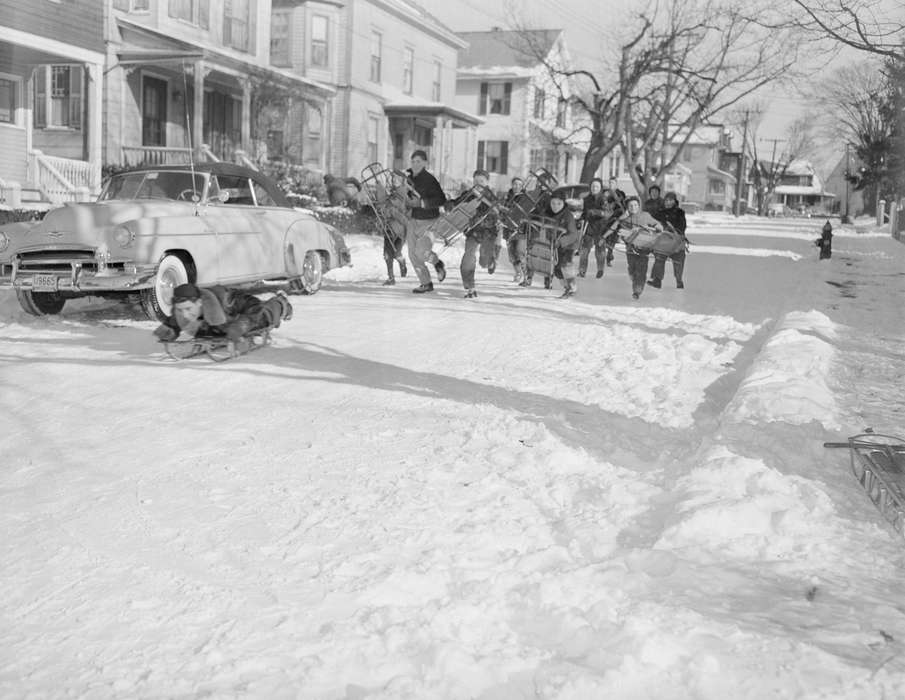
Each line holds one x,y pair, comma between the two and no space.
515,496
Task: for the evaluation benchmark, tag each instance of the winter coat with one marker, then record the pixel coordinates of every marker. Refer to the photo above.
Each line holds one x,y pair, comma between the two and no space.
227,312
570,239
654,207
431,194
675,217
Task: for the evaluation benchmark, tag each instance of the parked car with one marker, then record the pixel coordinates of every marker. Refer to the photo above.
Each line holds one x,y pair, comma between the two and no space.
154,228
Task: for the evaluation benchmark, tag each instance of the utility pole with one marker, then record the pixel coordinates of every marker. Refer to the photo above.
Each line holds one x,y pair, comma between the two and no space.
740,170
848,172
773,168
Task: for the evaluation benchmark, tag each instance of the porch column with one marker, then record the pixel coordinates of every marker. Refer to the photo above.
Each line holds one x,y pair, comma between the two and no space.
439,160
246,119
198,106
95,125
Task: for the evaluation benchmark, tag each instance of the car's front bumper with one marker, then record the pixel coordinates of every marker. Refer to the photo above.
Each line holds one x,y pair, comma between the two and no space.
78,279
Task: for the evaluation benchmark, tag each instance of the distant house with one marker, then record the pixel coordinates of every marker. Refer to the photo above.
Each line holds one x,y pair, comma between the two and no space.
51,73
195,78
392,66
844,190
527,120
801,190
706,154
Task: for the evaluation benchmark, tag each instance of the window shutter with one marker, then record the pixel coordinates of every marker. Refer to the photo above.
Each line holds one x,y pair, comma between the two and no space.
504,157
480,155
41,96
75,96
507,97
482,105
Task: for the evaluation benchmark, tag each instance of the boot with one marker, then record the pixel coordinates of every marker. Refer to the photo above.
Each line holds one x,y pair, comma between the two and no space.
470,293
390,282
548,282
491,268
656,284
680,285
422,289
599,273
441,270
403,270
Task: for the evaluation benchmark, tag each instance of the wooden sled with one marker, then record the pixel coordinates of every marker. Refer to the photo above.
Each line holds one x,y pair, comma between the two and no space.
878,463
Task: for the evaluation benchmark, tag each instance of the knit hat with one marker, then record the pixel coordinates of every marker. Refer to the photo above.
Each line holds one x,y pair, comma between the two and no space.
186,292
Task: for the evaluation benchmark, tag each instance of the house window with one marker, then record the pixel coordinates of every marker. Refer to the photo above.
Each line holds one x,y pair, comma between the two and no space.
543,158
9,99
313,135
493,156
717,187
279,39
616,166
423,136
408,69
373,135
132,5
437,84
561,112
319,28
376,55
540,99
192,11
495,98
236,14
58,96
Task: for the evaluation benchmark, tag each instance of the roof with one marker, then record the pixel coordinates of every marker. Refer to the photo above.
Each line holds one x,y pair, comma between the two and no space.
802,189
399,103
512,49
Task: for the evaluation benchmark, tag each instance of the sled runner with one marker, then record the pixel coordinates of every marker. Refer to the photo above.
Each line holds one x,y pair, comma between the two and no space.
387,191
878,463
539,184
461,218
543,235
217,348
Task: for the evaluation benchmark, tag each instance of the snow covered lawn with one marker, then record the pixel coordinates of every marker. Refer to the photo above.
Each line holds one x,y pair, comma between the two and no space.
426,497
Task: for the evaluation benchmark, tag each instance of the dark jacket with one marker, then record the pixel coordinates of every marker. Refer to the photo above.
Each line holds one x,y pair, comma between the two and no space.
227,312
675,217
431,194
654,207
570,239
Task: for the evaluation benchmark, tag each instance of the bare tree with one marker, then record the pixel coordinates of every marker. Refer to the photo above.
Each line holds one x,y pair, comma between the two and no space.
873,26
681,64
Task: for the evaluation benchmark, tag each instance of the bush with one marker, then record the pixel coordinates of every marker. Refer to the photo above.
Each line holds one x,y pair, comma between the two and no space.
9,216
301,184
346,220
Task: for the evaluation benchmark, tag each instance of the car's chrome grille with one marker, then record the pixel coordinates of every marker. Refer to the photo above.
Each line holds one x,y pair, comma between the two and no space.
56,260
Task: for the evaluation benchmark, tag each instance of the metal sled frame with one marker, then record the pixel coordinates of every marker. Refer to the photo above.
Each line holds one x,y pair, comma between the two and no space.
542,232
386,191
539,182
878,463
216,348
462,218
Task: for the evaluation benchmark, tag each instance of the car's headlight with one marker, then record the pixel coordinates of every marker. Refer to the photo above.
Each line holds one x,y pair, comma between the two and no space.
123,236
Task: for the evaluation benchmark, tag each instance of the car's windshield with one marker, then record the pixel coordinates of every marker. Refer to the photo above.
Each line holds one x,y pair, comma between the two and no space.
155,184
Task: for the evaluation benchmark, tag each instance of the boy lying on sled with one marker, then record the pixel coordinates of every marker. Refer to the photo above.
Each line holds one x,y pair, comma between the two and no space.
218,312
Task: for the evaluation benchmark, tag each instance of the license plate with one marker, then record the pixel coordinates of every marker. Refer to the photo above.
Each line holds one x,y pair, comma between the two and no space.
44,283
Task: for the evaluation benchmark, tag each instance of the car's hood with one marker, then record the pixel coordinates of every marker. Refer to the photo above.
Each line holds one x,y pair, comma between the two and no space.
89,218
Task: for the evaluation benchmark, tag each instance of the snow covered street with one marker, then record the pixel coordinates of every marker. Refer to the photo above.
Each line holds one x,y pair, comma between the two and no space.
510,497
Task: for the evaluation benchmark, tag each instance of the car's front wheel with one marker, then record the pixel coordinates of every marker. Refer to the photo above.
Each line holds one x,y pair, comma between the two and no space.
174,269
40,303
312,276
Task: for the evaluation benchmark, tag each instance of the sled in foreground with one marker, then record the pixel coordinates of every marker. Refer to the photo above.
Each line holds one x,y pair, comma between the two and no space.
218,348
878,463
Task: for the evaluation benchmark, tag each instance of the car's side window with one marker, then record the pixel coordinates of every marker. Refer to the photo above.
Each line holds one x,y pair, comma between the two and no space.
262,195
239,189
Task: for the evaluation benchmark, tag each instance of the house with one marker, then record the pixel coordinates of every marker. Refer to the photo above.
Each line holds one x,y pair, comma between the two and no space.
392,66
51,75
194,78
528,123
849,201
706,154
801,190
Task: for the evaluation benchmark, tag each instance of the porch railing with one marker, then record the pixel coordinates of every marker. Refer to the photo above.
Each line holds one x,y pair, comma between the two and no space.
243,159
63,179
164,155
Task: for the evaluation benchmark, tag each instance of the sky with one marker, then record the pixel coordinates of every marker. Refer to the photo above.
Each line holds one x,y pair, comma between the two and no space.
511,497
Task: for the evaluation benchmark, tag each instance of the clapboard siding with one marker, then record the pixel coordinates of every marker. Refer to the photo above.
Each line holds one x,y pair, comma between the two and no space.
76,22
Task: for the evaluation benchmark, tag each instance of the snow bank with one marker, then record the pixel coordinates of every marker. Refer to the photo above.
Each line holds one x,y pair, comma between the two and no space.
788,380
